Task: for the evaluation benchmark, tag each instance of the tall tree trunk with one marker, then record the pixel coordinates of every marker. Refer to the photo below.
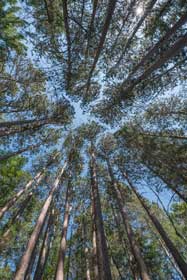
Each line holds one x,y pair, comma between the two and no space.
91,26
137,27
167,55
69,255
26,258
62,251
169,185
104,264
16,216
13,127
155,49
13,154
130,234
123,241
95,256
169,244
124,22
44,252
37,179
68,39
86,250
110,11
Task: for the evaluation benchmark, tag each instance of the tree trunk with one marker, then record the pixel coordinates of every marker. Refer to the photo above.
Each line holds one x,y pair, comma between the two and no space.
137,27
44,252
104,264
110,11
95,256
91,27
62,251
155,49
167,55
19,212
86,250
130,234
26,258
68,39
169,185
125,20
169,244
37,179
9,155
13,127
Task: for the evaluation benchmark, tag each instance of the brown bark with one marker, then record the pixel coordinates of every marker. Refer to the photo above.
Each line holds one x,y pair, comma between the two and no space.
9,155
16,216
44,252
103,260
110,11
95,255
124,21
26,258
91,27
62,251
37,179
130,234
68,39
137,27
13,127
169,244
169,185
167,55
155,49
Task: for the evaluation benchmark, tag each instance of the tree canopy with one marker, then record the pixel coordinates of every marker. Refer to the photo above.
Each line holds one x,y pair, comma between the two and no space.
93,135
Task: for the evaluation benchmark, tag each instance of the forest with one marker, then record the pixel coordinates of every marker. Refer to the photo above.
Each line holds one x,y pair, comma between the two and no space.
93,140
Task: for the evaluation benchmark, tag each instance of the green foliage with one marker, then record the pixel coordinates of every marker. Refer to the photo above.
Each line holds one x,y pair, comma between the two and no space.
12,176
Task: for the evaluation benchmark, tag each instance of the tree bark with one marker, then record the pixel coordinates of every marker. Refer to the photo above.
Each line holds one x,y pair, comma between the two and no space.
44,252
110,11
9,155
68,39
167,55
130,234
154,50
103,261
26,258
37,179
169,185
137,27
62,251
169,244
13,127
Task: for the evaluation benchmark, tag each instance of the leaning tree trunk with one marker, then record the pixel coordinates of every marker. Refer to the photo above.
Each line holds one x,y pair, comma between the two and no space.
12,154
169,185
155,49
37,179
7,228
13,127
26,258
68,39
137,27
104,264
91,27
62,251
169,244
44,252
109,14
130,234
167,55
123,242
